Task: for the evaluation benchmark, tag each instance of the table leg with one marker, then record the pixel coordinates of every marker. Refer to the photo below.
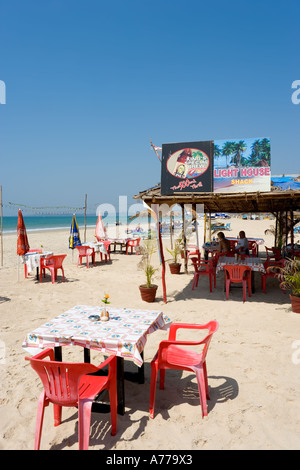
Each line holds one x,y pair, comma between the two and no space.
58,353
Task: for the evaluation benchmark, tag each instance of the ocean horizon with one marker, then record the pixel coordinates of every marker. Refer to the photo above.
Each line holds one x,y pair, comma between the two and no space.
56,222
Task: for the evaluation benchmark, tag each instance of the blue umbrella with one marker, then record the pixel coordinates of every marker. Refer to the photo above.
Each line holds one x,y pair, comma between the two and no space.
74,239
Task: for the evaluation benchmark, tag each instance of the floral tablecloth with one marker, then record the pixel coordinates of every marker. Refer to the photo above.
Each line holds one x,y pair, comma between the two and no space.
255,264
33,260
125,334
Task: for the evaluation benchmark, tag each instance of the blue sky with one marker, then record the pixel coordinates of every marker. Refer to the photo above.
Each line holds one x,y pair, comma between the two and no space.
89,82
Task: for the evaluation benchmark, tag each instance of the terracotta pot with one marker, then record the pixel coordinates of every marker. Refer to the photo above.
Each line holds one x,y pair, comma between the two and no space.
295,301
175,268
148,293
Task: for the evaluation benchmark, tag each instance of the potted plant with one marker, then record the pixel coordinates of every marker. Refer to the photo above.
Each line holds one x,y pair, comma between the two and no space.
290,279
175,253
148,290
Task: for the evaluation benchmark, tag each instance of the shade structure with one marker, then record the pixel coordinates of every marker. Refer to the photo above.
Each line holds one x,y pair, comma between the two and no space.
100,231
22,241
74,238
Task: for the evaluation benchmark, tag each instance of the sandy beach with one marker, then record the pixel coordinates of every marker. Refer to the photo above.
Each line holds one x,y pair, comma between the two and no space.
253,365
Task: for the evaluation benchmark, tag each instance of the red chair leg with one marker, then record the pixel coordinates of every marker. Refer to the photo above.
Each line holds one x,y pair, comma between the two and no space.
153,388
162,375
84,423
57,414
42,403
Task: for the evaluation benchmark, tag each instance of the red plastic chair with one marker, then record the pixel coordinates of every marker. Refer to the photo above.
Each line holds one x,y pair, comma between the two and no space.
25,265
107,244
85,251
274,253
66,384
253,248
193,250
204,268
171,356
271,273
131,244
53,263
238,274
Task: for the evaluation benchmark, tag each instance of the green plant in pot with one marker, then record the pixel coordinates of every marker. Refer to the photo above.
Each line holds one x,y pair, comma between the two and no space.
148,290
290,280
175,253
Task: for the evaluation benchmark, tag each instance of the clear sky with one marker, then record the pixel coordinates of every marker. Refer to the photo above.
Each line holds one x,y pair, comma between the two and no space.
89,82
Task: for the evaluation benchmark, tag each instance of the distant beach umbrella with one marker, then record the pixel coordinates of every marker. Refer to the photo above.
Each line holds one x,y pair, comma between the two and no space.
100,231
74,239
22,241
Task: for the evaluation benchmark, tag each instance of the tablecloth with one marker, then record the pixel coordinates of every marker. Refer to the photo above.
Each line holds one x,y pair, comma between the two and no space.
99,247
125,334
33,260
255,264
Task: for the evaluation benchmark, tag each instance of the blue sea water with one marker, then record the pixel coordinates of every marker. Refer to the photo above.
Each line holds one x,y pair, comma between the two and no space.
55,222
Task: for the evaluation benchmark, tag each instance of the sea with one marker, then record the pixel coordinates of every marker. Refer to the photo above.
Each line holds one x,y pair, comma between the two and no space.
56,222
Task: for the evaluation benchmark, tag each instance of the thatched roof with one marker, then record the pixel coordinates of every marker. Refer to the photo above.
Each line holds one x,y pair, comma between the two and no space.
274,201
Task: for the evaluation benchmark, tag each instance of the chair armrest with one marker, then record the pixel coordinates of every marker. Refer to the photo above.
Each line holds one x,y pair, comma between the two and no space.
106,362
188,326
46,353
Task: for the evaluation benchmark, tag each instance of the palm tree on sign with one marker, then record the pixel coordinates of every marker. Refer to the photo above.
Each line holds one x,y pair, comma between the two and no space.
227,150
239,149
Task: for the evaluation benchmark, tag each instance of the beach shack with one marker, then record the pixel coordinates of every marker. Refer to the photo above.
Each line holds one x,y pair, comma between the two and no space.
192,174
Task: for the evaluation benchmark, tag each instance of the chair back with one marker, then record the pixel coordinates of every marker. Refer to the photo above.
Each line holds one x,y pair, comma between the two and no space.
253,247
82,250
56,260
211,326
60,379
236,272
134,242
273,252
202,265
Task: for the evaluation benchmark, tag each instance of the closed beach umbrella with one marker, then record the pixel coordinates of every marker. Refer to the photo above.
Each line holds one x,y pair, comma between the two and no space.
100,231
22,241
74,238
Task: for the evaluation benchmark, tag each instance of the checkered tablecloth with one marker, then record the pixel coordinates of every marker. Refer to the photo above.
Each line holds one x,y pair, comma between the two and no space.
255,264
125,334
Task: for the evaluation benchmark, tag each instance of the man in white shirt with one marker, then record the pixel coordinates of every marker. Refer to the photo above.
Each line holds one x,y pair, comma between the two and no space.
242,246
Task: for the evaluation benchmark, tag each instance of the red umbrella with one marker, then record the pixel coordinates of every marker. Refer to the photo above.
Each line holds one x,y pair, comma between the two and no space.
22,242
100,231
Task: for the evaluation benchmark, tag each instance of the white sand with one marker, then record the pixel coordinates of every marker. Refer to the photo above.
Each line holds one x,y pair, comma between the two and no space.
253,368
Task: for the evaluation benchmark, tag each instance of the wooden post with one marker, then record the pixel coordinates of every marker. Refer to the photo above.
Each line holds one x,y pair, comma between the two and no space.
171,229
85,206
1,229
292,234
149,225
184,239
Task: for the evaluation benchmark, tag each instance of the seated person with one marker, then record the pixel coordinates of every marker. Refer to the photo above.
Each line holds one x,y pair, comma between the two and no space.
224,244
242,246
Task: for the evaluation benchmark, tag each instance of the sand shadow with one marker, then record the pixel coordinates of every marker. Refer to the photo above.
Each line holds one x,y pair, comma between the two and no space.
4,299
178,390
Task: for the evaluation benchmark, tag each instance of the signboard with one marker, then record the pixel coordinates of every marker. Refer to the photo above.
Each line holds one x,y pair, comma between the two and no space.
242,165
187,167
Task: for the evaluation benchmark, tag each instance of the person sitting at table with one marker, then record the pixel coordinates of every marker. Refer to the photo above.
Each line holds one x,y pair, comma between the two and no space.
224,244
242,247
